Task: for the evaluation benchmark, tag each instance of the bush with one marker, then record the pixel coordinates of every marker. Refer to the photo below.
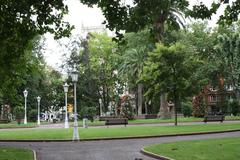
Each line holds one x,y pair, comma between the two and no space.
33,115
127,109
19,113
187,109
88,112
234,107
225,108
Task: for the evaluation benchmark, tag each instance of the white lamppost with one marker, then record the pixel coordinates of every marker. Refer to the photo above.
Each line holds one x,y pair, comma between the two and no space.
38,100
100,101
74,76
25,93
100,105
65,87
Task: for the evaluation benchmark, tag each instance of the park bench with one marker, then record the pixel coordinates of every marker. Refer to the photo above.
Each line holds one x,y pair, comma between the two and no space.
150,116
116,121
212,118
4,121
103,118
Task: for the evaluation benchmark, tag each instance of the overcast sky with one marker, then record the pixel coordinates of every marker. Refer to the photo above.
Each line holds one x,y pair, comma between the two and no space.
80,15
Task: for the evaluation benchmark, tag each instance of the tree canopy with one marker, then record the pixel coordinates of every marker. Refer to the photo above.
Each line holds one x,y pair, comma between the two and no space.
120,16
20,22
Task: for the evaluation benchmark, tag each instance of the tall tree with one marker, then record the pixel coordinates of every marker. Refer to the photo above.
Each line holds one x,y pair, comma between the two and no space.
133,18
171,70
97,63
136,16
134,53
103,61
20,22
230,14
228,49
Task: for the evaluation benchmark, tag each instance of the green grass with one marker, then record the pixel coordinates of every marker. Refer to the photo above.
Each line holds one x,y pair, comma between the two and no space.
15,125
36,134
139,131
214,149
180,119
154,121
102,123
146,121
111,132
15,154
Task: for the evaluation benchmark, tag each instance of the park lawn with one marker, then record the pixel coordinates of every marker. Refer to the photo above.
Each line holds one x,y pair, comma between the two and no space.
36,134
94,123
102,123
15,125
111,132
214,149
15,154
159,120
145,121
141,131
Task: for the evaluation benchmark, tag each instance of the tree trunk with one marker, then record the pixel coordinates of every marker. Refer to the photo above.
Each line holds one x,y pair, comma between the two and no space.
136,101
146,107
140,98
163,110
176,105
237,92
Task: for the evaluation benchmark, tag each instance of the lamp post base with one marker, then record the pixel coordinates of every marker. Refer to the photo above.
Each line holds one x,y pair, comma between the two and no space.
75,131
25,121
66,125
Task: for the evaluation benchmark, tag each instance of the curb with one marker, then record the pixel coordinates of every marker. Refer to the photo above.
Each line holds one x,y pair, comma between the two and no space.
37,140
153,155
34,154
122,138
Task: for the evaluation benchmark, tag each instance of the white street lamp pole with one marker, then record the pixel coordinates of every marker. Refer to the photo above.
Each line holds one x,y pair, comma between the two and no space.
100,105
75,126
25,93
38,99
65,87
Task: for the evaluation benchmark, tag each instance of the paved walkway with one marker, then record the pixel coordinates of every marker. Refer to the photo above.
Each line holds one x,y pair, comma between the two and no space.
103,150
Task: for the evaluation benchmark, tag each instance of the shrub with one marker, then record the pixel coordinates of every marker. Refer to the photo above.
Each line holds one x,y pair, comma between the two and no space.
234,107
19,113
187,109
127,108
33,115
88,112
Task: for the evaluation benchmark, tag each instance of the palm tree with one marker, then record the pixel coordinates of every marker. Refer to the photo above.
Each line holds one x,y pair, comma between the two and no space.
131,68
156,14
